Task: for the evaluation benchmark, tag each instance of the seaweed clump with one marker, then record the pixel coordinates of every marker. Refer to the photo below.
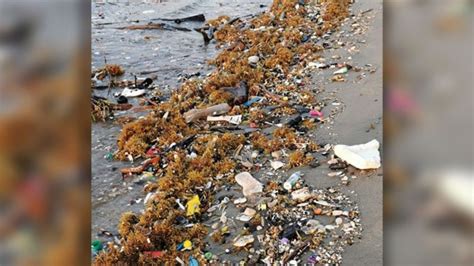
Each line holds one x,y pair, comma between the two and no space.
163,127
283,138
109,70
102,109
158,227
334,13
299,158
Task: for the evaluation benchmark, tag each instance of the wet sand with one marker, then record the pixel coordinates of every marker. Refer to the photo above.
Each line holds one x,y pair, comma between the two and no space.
363,107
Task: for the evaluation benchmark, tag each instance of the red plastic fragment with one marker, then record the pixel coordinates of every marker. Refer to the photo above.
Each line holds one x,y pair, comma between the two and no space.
154,254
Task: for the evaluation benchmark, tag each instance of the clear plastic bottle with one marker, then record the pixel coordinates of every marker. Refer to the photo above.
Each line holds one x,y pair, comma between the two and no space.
288,185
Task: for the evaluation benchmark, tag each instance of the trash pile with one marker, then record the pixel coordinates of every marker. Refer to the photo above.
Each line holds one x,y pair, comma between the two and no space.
223,151
102,109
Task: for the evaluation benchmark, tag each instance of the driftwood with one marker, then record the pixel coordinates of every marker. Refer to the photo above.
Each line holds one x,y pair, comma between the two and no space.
100,87
139,169
208,32
224,129
196,18
197,114
152,26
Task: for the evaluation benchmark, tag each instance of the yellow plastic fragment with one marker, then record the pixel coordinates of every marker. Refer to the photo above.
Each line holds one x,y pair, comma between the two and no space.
187,245
224,230
192,206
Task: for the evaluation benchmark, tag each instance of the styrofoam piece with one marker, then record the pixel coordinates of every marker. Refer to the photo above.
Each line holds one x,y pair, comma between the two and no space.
363,156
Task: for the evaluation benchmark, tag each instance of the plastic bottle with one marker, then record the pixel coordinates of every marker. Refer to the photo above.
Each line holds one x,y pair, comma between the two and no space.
288,185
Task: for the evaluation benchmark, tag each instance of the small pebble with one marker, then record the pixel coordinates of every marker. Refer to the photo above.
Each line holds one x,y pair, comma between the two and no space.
253,59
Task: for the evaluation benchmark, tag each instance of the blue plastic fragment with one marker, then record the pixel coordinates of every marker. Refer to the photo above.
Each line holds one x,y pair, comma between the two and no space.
252,101
312,259
193,261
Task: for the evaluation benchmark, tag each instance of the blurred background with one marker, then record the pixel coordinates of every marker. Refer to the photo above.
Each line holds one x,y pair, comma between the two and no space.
428,126
45,132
